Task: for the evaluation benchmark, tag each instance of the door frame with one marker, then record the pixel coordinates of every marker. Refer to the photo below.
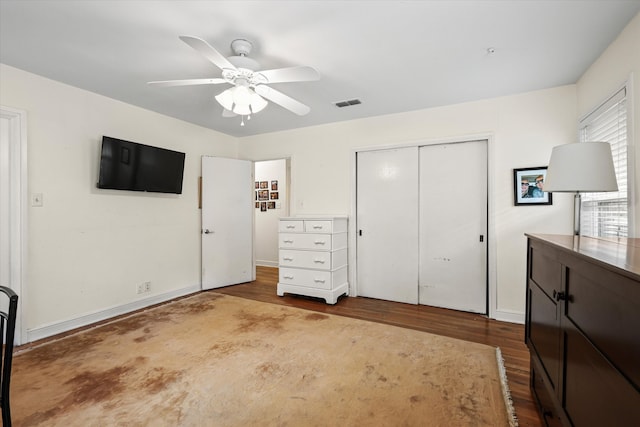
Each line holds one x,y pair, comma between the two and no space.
18,210
491,226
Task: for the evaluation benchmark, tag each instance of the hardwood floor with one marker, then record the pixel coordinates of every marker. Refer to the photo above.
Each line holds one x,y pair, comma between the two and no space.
466,326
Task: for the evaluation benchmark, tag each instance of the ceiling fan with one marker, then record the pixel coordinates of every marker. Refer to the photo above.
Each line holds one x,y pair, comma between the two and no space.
250,91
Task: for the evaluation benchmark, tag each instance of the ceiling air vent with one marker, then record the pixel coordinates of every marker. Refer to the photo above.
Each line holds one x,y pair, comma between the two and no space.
350,102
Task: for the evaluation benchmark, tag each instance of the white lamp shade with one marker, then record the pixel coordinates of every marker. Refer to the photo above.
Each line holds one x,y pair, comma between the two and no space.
581,167
226,99
257,102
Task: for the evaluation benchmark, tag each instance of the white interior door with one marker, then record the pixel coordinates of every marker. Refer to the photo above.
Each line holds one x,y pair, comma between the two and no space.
453,226
227,222
387,221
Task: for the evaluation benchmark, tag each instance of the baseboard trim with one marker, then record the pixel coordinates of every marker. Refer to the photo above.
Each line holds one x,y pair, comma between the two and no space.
263,263
87,319
509,316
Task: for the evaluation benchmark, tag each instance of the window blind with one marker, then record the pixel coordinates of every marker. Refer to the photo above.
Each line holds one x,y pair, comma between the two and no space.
607,214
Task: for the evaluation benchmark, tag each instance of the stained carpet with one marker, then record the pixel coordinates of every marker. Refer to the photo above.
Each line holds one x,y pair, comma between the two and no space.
217,360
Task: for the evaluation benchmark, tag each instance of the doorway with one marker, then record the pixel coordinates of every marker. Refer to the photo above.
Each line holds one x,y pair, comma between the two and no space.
271,204
421,219
13,207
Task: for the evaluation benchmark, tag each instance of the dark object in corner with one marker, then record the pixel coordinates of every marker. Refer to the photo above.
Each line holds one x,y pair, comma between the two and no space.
8,327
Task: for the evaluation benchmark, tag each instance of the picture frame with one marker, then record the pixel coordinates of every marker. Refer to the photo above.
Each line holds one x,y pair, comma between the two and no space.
263,194
271,205
264,184
528,187
274,195
274,185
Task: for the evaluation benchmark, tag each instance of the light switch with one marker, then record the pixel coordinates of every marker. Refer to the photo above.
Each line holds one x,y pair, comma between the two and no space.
36,200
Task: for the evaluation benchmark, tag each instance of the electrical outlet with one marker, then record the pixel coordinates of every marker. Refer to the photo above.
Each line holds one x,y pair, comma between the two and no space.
144,287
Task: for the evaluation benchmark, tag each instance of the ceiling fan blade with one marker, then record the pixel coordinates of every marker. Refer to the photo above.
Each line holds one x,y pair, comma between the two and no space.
292,74
228,113
283,100
188,82
208,51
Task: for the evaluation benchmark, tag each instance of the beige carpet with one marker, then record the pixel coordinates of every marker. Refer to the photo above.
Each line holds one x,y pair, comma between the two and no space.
215,360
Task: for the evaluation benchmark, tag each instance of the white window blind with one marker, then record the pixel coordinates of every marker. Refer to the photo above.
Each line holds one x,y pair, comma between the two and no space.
607,214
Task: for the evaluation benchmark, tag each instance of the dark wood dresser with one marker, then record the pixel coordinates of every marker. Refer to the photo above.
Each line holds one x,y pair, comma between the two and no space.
583,329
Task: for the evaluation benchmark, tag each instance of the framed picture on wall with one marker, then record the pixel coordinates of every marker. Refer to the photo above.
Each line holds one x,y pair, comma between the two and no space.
271,205
274,195
263,206
274,185
264,184
528,187
263,194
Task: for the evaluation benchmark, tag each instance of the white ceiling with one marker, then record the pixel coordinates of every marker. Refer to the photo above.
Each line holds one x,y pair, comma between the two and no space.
394,56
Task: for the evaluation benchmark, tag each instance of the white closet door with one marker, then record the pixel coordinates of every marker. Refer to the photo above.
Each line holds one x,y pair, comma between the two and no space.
453,226
387,221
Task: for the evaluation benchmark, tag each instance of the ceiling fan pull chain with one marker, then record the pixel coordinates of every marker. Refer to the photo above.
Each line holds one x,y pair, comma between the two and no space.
242,121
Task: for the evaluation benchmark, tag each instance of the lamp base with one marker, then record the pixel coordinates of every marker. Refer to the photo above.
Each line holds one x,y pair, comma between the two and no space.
577,205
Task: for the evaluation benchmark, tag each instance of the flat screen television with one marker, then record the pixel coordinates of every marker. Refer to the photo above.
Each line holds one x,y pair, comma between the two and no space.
126,165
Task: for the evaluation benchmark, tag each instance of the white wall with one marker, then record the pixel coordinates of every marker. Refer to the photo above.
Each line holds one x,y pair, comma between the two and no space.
89,248
523,127
618,64
266,223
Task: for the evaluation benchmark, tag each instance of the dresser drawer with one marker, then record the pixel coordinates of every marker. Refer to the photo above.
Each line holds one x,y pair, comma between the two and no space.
311,226
291,226
313,259
313,241
313,278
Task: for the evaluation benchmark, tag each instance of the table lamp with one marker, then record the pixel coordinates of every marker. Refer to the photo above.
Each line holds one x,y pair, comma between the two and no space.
581,167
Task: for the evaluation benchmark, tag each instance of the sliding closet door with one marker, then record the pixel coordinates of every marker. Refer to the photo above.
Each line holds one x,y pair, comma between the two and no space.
453,226
387,224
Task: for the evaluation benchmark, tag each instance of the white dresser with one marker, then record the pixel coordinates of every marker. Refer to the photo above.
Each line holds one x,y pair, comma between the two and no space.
313,257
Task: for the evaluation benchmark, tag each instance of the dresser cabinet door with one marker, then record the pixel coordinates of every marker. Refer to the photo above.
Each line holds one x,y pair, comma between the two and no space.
543,331
595,394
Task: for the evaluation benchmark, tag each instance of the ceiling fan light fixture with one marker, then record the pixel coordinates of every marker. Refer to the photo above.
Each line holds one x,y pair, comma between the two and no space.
241,100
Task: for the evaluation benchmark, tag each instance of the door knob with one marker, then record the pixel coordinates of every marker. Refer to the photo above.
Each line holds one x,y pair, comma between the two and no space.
207,231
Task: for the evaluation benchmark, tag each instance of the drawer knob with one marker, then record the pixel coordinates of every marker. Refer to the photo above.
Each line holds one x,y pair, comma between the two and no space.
288,241
317,227
286,258
318,261
320,242
318,280
287,277
291,226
